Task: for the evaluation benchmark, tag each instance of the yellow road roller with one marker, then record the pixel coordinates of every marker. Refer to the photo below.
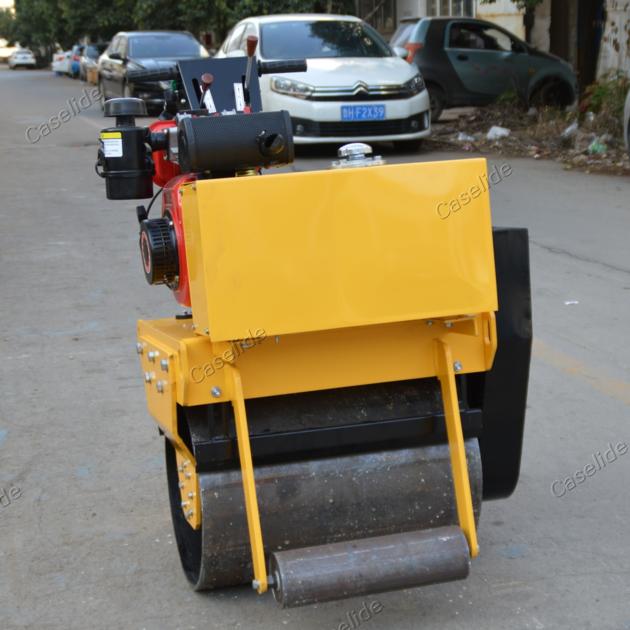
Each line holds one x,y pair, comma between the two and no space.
347,380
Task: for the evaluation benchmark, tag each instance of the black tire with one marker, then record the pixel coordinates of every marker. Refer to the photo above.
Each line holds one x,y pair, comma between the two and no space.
437,100
408,146
553,93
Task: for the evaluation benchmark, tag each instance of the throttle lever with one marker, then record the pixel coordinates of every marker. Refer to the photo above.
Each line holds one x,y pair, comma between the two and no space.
252,44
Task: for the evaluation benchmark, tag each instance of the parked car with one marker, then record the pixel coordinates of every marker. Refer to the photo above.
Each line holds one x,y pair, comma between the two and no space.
472,62
151,50
6,52
22,58
61,62
626,123
89,59
75,60
355,87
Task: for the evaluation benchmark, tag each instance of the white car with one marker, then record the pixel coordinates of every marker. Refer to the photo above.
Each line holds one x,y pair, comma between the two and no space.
22,58
355,88
61,62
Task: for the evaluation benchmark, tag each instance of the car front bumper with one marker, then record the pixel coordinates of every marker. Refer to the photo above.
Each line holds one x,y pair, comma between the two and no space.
320,121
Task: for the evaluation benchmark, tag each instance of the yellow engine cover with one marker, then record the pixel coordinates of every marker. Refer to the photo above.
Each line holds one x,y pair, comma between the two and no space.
322,250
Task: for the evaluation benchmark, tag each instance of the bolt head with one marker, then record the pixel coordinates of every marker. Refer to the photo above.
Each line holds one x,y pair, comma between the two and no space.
448,324
164,365
457,366
191,495
139,348
216,392
148,377
160,387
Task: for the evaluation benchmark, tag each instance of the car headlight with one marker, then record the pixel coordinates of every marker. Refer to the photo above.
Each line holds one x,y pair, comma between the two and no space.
291,87
415,85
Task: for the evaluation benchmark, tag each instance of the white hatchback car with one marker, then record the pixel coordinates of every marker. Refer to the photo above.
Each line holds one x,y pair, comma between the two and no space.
355,87
22,58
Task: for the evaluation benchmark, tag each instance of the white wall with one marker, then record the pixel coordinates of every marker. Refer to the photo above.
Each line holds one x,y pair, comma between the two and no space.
505,14
614,52
410,8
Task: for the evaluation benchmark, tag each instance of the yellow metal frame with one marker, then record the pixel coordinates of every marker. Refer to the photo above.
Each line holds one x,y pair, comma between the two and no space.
312,295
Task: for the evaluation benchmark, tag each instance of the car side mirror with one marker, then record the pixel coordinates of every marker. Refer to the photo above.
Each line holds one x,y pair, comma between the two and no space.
401,52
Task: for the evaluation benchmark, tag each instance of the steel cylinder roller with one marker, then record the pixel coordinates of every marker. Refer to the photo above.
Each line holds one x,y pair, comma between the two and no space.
348,381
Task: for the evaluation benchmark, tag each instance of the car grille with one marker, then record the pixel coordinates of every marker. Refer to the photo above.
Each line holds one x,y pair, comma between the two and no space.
361,92
304,127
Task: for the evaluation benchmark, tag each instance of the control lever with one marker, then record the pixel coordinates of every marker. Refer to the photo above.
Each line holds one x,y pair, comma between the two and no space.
206,94
252,44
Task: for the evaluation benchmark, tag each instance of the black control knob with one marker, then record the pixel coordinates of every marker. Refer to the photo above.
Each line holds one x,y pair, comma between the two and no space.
158,247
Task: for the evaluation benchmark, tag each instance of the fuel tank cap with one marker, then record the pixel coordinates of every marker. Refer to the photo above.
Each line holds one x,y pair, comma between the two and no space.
356,154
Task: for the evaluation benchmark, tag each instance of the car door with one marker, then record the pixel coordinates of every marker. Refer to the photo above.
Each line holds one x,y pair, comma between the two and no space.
106,67
484,58
119,67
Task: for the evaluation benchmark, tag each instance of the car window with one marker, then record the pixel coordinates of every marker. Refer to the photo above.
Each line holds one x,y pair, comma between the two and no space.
164,45
112,46
479,37
402,34
319,39
235,38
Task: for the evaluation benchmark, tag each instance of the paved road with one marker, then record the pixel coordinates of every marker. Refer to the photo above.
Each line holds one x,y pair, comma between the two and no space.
85,536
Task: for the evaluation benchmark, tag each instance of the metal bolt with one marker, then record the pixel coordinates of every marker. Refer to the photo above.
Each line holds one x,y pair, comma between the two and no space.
180,469
190,513
160,387
216,391
184,504
429,322
457,366
187,475
164,365
448,324
139,348
191,495
181,484
148,377
152,355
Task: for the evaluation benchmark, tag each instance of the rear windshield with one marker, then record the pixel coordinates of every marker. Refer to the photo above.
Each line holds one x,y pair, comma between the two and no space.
95,51
402,34
325,38
163,46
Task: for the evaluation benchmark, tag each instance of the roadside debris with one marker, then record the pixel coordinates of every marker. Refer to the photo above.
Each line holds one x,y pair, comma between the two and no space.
496,133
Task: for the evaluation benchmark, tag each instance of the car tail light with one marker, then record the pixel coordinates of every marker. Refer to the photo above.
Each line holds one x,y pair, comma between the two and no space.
413,49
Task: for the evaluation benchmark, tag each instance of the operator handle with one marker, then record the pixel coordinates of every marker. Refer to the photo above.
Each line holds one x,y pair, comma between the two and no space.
163,74
288,65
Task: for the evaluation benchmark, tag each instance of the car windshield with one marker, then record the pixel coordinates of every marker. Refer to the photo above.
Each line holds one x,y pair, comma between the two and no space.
323,38
167,45
402,34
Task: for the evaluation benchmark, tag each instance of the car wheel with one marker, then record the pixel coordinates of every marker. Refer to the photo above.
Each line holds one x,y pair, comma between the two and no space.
407,146
437,101
552,94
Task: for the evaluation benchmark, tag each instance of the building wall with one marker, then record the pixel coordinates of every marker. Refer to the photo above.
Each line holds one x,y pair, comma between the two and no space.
504,13
615,47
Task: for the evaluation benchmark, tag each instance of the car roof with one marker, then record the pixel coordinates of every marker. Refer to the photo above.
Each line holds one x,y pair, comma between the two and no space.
149,33
300,17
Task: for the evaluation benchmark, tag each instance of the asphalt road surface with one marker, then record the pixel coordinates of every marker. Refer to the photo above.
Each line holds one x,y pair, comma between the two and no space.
85,532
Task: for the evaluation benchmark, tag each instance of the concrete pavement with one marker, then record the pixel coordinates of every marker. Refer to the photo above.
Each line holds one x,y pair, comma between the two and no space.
85,533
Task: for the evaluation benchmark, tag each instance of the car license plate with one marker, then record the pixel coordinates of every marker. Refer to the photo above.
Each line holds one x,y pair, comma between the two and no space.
362,112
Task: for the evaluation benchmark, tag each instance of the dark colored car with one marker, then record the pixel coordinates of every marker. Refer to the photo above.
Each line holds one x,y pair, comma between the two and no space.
472,62
149,50
89,58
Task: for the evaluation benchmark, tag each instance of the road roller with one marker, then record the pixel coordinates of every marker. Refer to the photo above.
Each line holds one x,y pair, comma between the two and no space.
345,379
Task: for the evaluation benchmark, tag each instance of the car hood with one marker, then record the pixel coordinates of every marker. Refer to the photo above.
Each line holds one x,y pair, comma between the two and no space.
157,64
342,72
